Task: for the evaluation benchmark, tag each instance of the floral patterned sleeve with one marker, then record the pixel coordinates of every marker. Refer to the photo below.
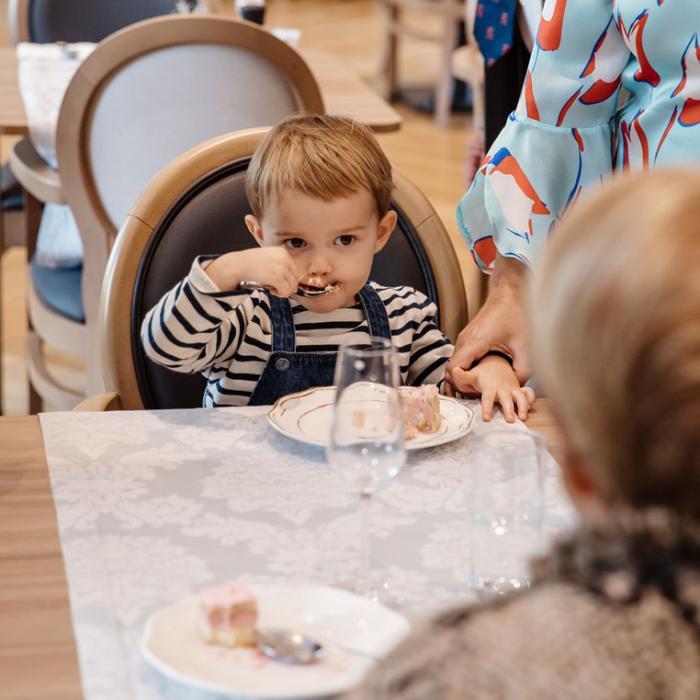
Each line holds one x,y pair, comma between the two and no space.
557,142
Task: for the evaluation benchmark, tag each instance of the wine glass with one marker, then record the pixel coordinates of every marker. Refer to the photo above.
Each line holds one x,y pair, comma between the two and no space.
507,470
367,443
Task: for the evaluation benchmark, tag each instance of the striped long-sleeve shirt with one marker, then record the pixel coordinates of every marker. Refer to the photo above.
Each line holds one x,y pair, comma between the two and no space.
227,336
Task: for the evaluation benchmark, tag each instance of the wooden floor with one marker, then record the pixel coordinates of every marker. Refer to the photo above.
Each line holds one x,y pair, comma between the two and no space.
431,157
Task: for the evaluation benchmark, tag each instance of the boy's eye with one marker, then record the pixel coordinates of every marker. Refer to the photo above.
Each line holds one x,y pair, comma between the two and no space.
345,240
295,243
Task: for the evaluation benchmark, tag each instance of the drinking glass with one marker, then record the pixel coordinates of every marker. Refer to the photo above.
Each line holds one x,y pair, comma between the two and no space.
366,443
506,500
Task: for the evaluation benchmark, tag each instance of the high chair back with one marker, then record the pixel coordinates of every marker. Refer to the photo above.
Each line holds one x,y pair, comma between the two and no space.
197,205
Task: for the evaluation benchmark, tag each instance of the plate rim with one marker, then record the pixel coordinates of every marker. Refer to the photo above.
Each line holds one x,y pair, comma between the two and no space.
442,440
170,672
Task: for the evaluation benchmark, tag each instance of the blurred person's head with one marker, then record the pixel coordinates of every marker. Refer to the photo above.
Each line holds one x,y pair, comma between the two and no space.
616,342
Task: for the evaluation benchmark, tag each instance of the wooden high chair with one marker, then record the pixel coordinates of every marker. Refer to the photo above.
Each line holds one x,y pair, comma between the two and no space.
197,205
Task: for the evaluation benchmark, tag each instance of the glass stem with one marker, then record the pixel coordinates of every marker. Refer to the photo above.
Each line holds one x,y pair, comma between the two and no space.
365,551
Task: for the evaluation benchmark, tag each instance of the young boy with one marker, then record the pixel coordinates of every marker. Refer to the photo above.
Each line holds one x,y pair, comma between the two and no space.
319,188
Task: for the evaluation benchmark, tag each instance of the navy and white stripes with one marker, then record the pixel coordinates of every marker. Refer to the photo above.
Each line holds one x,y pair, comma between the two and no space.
227,335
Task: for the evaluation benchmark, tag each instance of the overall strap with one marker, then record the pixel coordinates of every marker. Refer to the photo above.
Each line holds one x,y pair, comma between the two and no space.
283,335
375,312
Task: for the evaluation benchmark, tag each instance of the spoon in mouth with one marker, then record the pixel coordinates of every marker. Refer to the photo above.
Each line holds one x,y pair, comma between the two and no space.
290,647
251,285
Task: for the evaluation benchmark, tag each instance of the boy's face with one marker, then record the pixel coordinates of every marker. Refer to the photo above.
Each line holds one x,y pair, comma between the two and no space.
331,242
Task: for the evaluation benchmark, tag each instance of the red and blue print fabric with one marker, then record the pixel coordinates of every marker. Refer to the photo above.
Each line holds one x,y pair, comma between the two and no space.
612,85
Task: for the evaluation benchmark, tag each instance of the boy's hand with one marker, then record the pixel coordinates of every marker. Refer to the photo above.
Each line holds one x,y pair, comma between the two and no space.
495,380
271,266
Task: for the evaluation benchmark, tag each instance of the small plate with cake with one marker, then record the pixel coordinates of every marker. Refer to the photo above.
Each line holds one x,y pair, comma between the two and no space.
206,640
429,418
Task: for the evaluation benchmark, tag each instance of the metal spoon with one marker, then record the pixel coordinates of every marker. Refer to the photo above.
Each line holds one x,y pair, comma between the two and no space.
253,285
290,647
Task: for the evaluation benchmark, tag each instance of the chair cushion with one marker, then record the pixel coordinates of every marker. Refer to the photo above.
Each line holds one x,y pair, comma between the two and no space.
10,190
13,202
78,20
60,289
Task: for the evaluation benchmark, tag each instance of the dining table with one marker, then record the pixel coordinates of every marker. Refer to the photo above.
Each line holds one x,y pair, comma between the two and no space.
107,515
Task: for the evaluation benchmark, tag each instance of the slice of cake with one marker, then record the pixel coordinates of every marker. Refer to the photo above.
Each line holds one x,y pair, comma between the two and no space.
228,614
421,409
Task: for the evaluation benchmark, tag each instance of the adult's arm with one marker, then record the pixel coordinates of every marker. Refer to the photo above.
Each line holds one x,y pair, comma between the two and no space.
499,325
554,146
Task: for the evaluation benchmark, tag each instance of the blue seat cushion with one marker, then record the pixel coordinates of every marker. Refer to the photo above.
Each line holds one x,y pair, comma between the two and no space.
10,190
60,289
13,202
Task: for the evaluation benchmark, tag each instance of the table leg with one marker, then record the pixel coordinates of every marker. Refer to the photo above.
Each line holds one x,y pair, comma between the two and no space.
2,255
445,87
388,67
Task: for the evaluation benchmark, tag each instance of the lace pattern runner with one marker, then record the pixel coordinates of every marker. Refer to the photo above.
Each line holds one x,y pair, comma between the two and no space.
153,505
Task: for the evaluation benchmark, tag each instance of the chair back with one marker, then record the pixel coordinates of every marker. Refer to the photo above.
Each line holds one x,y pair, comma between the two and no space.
149,93
48,21
196,206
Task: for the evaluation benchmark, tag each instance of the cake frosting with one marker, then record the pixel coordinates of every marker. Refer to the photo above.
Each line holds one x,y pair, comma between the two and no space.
421,410
228,613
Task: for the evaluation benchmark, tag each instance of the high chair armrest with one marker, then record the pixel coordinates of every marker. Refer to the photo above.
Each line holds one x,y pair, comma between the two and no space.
35,174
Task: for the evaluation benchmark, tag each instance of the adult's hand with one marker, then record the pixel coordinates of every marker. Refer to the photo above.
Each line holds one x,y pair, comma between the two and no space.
500,324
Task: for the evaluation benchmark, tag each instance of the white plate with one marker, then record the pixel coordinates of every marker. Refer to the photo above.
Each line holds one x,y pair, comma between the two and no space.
306,416
172,644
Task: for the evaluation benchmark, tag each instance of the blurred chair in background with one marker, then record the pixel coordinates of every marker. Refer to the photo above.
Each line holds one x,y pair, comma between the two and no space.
197,204
47,21
451,14
468,66
143,97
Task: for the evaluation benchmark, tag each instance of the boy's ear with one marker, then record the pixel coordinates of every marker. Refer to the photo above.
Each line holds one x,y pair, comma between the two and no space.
385,228
253,225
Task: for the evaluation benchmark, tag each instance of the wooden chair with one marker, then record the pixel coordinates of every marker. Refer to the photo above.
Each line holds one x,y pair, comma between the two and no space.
197,205
451,13
144,96
44,21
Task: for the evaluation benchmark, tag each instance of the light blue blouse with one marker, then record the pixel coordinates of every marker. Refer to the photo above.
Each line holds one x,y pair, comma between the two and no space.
612,84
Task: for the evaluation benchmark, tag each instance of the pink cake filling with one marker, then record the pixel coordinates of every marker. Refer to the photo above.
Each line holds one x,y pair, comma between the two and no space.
421,410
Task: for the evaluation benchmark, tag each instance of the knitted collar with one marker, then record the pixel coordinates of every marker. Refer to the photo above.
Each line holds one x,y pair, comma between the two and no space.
634,552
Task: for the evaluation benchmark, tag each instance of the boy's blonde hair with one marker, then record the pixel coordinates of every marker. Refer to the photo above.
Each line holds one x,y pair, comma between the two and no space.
616,337
322,156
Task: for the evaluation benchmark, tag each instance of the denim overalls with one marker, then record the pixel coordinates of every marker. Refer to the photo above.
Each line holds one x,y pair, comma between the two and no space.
287,370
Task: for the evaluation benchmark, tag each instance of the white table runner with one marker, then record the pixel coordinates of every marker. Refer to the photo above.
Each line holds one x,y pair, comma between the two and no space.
153,505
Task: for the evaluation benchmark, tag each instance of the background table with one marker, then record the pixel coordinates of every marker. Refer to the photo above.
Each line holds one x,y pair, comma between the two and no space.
343,93
37,654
